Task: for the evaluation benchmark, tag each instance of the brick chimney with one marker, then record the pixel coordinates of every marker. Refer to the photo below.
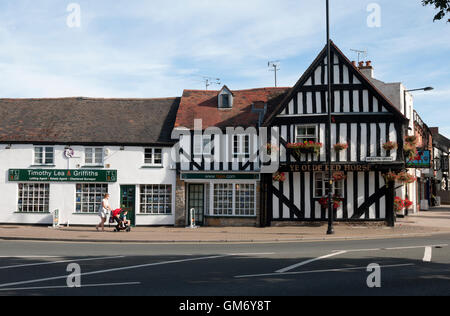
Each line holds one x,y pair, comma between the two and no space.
366,68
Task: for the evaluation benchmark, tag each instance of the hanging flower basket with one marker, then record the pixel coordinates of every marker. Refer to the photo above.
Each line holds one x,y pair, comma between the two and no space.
390,176
306,147
279,177
340,146
410,150
389,146
339,176
336,202
411,140
400,204
406,178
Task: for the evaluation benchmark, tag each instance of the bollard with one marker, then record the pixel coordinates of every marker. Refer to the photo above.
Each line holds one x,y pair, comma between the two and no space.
193,218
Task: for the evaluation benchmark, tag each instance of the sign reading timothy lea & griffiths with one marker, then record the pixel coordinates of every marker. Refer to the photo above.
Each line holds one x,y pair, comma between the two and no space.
61,175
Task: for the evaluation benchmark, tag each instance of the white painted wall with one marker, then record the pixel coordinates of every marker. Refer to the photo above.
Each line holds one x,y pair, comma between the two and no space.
128,163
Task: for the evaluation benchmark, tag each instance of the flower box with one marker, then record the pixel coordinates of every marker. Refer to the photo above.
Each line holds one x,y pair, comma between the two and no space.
306,147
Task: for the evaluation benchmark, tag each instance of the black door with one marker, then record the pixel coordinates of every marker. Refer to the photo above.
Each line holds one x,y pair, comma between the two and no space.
127,201
196,201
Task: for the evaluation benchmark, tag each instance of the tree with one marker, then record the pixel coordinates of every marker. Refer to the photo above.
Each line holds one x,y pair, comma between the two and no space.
442,5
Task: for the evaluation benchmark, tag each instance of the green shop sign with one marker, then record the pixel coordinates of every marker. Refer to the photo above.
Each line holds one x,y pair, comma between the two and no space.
58,175
219,176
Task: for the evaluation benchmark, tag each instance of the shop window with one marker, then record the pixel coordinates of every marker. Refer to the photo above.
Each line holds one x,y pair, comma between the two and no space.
156,199
153,156
88,197
233,199
321,185
94,156
305,133
34,197
245,199
44,155
223,199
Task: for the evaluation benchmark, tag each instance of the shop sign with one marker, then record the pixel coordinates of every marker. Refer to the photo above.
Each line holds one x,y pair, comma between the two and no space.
62,175
321,168
421,160
219,176
379,159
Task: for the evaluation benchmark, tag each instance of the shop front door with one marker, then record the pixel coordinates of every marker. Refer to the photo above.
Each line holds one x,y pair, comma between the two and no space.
128,201
196,201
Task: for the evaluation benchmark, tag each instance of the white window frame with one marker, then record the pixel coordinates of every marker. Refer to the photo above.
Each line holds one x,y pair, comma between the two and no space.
43,158
303,137
202,145
241,149
338,186
38,191
149,207
92,191
94,156
234,201
153,156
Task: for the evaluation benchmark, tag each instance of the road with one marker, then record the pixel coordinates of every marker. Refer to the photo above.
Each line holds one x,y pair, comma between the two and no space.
409,266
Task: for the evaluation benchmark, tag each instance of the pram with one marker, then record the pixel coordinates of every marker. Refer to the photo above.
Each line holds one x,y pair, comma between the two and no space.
121,224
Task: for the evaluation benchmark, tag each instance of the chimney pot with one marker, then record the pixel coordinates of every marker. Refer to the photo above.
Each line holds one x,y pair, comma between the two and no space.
369,63
361,64
354,63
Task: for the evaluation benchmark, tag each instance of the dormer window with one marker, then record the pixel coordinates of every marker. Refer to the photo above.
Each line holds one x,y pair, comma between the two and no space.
225,98
225,101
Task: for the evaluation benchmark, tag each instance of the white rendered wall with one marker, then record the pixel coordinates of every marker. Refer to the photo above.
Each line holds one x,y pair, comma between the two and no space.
128,163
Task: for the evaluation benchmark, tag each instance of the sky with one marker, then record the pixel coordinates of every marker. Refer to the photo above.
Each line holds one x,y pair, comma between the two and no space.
150,49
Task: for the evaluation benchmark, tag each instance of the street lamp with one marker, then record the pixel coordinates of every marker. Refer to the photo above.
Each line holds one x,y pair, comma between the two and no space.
330,230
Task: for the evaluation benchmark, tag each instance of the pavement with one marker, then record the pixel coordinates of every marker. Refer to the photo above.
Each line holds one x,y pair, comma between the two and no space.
426,223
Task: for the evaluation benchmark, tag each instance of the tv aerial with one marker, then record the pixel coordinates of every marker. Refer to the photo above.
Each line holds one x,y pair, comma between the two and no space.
361,53
208,81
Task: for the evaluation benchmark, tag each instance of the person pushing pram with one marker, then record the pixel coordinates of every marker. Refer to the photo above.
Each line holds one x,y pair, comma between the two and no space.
120,216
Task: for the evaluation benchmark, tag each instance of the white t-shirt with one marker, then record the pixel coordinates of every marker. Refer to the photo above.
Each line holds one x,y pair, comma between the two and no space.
105,205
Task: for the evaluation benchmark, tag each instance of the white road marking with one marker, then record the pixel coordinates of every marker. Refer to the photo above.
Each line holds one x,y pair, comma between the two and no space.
309,261
252,254
427,254
29,257
65,287
57,262
111,270
393,248
316,271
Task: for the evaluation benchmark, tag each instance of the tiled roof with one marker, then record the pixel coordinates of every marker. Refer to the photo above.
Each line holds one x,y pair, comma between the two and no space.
87,120
201,104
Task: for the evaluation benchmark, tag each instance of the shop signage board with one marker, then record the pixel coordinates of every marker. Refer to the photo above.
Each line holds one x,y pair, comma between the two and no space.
379,159
219,176
62,175
421,160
